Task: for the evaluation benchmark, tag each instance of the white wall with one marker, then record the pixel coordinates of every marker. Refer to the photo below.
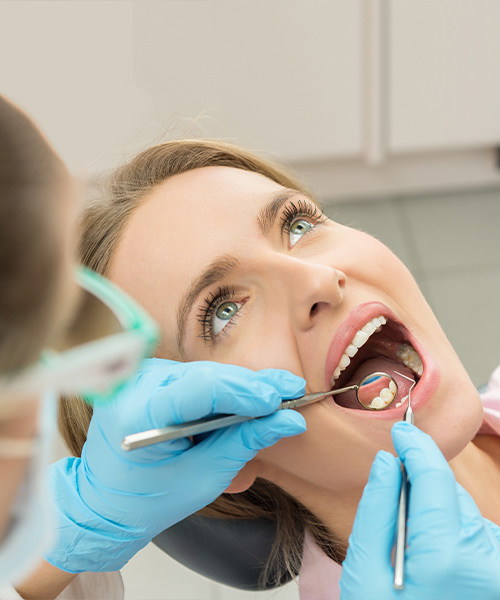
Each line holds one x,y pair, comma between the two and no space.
69,65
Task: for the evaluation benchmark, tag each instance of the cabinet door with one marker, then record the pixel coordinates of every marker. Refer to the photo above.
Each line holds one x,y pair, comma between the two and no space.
282,75
443,74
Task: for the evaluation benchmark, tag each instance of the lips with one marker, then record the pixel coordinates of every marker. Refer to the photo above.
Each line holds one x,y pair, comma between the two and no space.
380,351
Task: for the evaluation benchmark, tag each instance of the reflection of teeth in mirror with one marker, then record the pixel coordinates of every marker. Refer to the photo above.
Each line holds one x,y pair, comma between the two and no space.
359,339
385,397
377,403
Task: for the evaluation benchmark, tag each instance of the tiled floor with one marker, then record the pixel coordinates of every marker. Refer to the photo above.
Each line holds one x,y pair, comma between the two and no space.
451,243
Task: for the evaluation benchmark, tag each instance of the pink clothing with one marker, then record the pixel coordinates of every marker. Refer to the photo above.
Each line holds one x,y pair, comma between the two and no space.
491,405
320,576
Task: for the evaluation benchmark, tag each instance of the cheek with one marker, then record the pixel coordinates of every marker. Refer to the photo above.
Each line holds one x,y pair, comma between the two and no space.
454,415
252,347
372,261
263,355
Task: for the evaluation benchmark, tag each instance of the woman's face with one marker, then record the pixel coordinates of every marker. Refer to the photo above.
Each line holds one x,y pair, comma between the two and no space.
237,269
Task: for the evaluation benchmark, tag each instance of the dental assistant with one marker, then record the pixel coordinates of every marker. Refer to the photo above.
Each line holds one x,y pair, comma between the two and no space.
102,508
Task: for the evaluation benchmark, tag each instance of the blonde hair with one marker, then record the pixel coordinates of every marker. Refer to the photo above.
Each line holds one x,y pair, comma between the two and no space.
30,255
102,222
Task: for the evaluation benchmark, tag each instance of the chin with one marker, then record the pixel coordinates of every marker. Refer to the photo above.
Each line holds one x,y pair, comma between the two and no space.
452,418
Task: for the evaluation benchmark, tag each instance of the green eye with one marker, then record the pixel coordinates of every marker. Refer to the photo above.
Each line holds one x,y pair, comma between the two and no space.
224,313
298,229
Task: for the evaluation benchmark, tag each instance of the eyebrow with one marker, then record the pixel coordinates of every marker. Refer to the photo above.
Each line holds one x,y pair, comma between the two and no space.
268,213
219,268
224,265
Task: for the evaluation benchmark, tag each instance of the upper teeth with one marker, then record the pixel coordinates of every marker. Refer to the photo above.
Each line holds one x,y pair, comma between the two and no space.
360,338
410,357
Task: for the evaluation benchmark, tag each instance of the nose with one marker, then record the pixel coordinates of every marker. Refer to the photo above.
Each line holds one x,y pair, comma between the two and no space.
312,288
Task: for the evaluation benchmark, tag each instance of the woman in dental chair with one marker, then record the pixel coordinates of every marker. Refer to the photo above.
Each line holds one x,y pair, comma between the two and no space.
236,262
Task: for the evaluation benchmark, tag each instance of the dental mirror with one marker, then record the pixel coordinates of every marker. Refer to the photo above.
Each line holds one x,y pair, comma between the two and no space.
377,391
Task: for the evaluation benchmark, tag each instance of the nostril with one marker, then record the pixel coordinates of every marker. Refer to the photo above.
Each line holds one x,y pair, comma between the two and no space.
314,309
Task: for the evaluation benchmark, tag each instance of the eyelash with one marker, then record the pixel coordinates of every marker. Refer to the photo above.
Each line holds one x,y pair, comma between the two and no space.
207,311
205,316
304,209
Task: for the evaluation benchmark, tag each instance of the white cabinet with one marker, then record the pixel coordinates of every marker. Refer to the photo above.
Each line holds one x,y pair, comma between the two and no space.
443,74
325,79
278,75
312,81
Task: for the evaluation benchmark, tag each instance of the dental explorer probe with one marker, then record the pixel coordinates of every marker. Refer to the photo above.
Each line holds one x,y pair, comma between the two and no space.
399,553
163,434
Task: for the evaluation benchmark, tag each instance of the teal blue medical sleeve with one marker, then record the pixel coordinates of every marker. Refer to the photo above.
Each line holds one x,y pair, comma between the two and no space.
110,503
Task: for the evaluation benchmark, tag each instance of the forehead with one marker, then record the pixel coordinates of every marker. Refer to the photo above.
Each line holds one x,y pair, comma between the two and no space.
197,208
182,226
204,190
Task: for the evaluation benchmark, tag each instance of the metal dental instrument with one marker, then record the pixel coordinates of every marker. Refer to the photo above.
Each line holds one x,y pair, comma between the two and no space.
373,382
399,553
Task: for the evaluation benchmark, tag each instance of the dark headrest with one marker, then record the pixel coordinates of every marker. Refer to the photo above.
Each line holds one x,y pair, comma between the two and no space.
232,552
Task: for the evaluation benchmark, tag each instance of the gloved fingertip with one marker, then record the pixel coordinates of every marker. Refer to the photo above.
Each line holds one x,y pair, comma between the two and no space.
287,423
401,430
295,423
403,426
287,384
383,464
271,429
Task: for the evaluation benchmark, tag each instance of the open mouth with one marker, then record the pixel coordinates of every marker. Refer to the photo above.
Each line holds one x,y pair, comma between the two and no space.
381,345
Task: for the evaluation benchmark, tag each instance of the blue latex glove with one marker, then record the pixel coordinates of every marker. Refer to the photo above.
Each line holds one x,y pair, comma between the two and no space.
111,503
452,551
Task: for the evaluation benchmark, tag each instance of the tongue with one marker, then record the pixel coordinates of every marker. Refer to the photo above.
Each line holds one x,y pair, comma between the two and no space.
380,365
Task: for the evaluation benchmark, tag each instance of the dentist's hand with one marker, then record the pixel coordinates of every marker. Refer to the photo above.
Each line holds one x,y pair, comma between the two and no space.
452,553
111,503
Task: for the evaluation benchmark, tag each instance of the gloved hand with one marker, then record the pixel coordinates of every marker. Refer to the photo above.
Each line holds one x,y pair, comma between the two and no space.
111,503
452,553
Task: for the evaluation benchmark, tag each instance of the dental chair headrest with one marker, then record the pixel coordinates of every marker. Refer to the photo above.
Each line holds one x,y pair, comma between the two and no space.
233,552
